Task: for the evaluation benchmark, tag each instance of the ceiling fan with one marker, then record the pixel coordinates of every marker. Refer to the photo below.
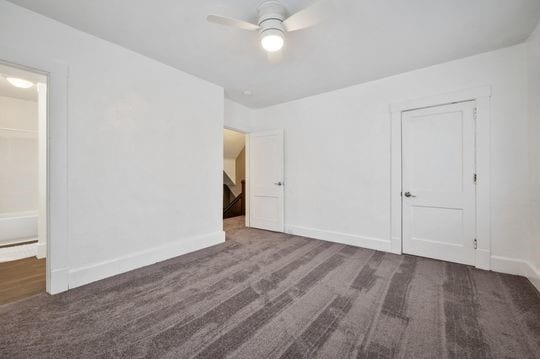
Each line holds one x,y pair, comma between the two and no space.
274,23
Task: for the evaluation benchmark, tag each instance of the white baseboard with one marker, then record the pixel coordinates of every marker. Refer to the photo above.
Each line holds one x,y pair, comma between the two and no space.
517,267
396,245
96,271
58,282
8,254
535,281
343,238
483,259
41,250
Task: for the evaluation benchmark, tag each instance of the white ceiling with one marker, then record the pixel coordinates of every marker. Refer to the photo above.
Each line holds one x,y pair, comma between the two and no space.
362,41
233,143
8,90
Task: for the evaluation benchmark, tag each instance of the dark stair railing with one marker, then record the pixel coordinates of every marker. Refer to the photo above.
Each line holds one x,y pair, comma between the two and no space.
238,205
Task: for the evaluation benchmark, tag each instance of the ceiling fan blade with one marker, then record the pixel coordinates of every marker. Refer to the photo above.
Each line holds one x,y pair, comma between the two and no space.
227,21
275,57
309,16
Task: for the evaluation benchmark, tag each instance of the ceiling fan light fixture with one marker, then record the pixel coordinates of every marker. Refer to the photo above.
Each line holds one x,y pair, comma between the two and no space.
274,21
272,40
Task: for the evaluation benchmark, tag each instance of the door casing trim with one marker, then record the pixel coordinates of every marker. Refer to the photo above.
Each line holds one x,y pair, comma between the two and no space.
482,97
57,263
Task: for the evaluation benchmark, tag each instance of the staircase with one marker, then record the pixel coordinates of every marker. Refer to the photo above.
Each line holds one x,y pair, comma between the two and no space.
236,207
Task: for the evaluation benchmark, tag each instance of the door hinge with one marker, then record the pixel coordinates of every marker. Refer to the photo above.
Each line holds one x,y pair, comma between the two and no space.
475,178
475,113
475,243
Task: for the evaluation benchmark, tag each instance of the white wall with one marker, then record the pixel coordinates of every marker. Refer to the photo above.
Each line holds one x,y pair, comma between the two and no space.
137,189
229,166
18,113
18,155
337,145
237,117
533,77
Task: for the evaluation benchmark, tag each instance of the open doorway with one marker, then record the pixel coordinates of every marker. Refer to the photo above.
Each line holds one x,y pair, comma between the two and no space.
23,183
234,180
253,181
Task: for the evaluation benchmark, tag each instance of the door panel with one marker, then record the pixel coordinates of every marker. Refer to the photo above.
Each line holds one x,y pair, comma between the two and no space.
438,172
266,180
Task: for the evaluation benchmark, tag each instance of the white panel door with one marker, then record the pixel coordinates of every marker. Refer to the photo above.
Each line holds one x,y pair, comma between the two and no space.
438,197
266,180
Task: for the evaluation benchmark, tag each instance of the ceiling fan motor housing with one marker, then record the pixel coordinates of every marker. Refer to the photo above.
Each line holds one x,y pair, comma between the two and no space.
271,16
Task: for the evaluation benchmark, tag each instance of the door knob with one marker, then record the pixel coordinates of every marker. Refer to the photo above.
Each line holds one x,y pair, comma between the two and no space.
408,194
278,183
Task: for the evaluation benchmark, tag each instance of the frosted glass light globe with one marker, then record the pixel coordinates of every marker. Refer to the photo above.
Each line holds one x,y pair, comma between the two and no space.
272,40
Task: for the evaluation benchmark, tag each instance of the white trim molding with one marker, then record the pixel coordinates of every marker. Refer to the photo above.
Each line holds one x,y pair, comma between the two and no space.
339,237
18,133
13,253
482,97
516,267
41,250
59,280
247,175
96,271
441,99
57,159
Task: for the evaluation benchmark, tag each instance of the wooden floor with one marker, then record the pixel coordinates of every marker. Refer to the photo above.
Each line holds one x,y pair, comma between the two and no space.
21,278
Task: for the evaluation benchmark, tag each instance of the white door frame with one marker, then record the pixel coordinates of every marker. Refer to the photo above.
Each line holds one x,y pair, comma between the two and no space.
246,165
57,268
482,96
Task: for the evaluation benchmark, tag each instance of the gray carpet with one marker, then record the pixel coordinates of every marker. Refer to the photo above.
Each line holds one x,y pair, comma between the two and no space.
271,295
